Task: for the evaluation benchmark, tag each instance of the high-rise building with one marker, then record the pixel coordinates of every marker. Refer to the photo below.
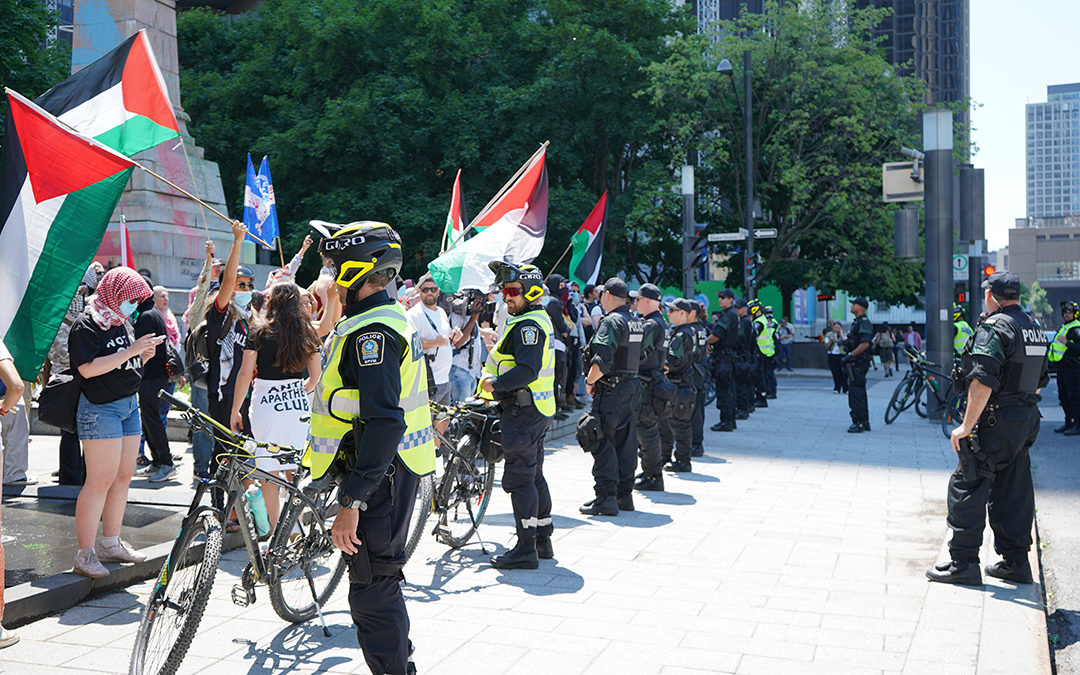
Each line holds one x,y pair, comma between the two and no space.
1053,153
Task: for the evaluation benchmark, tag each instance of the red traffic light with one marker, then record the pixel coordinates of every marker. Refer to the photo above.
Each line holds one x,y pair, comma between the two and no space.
961,297
988,270
825,297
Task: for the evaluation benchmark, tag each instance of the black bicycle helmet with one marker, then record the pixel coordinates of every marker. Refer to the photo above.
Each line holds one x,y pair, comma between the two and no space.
1070,306
958,312
360,249
755,308
530,277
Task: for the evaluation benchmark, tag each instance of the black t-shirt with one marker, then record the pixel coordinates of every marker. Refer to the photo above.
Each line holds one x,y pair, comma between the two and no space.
226,349
150,322
265,346
86,342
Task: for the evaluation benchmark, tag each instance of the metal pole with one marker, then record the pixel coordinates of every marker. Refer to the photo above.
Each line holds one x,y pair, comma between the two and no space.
937,144
688,224
748,128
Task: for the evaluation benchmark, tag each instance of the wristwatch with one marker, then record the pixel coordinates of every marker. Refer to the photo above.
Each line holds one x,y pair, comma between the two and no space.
347,502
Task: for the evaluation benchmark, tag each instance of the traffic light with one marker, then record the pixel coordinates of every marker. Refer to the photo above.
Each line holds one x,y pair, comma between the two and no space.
961,297
751,267
987,271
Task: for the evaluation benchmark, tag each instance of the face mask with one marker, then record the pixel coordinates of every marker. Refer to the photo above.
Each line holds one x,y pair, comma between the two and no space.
127,307
242,298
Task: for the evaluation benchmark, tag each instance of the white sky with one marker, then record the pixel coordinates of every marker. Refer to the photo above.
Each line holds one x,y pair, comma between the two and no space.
1017,49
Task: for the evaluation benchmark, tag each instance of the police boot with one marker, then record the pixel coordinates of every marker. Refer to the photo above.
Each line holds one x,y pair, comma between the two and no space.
544,550
855,428
720,426
606,506
697,451
649,484
521,557
742,415
1074,430
1017,570
1064,427
761,403
625,502
679,466
866,426
961,573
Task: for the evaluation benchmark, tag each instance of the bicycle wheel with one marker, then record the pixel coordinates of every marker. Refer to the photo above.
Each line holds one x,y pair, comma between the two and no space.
920,403
303,554
425,493
953,414
176,605
465,491
710,390
901,398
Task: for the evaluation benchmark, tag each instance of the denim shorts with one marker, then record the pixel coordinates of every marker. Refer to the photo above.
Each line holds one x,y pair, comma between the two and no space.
97,421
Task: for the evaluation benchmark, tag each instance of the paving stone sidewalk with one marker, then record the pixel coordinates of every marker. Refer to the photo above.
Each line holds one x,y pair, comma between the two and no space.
794,547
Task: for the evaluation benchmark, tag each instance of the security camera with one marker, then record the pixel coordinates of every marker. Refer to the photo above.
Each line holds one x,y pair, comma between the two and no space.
916,157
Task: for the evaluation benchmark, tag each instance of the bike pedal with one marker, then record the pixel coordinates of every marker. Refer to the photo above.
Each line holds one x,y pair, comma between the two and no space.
242,596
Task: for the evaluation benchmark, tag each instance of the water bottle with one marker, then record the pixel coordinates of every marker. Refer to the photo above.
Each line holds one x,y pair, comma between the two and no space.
257,505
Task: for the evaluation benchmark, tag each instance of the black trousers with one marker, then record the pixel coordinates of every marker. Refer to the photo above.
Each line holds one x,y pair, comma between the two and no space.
856,395
560,378
725,389
697,420
676,439
1003,485
378,607
220,411
523,432
1068,381
744,385
152,427
648,434
72,464
573,369
769,373
615,461
839,380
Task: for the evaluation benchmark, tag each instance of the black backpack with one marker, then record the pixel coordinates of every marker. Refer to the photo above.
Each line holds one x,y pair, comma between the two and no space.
197,354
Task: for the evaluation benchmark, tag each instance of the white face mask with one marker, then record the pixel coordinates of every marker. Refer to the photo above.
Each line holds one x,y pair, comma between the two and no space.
242,298
127,307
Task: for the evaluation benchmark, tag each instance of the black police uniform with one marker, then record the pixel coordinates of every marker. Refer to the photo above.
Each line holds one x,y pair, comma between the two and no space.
701,368
861,331
1007,354
523,430
682,348
745,367
380,480
616,350
1068,381
651,370
726,331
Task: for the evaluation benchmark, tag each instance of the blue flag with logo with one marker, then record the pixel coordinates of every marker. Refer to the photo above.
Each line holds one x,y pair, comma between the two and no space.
260,208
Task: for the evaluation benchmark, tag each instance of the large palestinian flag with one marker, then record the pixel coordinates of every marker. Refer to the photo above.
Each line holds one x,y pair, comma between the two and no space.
456,219
119,100
514,229
58,193
589,245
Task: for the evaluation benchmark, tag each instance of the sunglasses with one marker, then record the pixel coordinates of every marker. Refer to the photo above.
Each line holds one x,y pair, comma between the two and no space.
429,289
512,292
244,286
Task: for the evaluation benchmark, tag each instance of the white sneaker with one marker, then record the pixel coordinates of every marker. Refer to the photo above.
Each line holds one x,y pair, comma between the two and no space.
7,637
88,564
120,553
163,474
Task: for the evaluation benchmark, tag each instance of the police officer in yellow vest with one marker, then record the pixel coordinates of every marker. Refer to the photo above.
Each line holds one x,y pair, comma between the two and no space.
1065,352
520,375
370,425
963,330
766,349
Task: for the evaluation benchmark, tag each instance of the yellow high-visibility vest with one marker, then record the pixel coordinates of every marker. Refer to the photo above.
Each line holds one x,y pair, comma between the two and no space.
498,362
765,337
1057,347
963,332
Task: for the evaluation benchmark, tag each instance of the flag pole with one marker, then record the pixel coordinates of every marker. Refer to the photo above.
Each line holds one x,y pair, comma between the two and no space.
553,267
191,173
280,252
502,190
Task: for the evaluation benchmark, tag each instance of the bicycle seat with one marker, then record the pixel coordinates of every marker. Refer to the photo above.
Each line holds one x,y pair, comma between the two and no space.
477,404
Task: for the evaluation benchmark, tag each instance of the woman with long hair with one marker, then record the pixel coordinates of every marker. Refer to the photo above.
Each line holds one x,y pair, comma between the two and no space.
108,358
277,352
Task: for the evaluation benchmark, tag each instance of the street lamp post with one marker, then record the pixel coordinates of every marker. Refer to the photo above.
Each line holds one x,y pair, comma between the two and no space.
724,68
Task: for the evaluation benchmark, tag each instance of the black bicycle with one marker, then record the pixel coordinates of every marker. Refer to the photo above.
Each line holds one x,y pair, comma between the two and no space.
299,566
920,378
470,447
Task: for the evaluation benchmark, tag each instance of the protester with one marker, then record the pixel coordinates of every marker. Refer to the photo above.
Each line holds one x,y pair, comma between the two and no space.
883,341
155,377
834,347
277,352
785,335
552,302
13,391
288,273
15,436
466,363
109,361
202,444
436,337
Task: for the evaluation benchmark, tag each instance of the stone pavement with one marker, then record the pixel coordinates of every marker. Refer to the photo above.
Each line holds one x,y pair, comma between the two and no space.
794,547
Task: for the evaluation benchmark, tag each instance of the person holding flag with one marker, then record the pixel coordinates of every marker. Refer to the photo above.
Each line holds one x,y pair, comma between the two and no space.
260,207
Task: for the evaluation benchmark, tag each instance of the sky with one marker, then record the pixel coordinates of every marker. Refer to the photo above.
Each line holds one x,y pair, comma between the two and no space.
1017,49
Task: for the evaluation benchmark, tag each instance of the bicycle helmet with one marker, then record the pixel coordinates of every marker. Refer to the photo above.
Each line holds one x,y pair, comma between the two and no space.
958,312
530,277
360,249
1070,306
755,308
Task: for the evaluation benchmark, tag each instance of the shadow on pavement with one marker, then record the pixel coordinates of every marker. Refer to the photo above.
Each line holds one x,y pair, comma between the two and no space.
694,477
565,582
672,498
297,648
448,566
706,459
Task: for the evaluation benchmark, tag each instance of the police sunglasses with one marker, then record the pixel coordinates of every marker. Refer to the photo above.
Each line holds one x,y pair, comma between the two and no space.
512,291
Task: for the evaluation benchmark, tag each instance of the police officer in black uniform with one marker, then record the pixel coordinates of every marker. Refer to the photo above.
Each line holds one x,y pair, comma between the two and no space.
1006,367
682,351
745,363
723,338
1065,351
611,379
518,359
701,367
857,363
651,373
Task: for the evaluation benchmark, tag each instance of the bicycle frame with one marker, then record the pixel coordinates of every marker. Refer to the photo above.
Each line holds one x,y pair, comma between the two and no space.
924,369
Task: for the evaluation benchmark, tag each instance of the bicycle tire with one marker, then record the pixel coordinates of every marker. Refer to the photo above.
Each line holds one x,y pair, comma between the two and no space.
710,391
465,492
953,414
184,597
900,399
425,494
920,403
297,548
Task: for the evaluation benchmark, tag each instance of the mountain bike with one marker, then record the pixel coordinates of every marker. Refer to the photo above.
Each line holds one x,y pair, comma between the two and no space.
299,566
920,378
459,497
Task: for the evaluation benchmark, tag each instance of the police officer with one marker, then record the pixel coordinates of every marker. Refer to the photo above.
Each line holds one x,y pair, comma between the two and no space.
520,374
961,329
682,349
723,338
701,367
1065,352
370,410
745,362
770,361
611,379
1005,370
764,348
651,373
857,344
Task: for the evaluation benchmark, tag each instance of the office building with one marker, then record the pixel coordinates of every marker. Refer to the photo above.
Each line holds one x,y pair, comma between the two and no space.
1053,153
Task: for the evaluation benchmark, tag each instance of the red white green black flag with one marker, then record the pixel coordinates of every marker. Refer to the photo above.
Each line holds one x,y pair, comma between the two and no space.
588,245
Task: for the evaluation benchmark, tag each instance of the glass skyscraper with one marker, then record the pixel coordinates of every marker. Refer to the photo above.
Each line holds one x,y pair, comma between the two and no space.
1053,153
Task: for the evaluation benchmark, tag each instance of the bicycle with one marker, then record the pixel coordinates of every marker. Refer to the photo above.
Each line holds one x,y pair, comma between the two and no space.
470,448
921,377
300,565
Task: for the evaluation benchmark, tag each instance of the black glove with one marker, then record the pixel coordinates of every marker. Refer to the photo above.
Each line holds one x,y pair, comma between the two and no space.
845,359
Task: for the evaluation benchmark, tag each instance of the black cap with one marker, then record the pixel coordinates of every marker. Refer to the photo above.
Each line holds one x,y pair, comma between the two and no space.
1003,284
633,295
725,293
861,301
245,271
681,304
616,287
739,303
649,291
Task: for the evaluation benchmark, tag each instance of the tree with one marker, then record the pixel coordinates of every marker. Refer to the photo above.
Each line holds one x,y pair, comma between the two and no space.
1035,298
27,65
827,111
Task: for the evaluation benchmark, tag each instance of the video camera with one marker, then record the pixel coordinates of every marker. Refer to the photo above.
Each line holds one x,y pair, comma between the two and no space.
467,302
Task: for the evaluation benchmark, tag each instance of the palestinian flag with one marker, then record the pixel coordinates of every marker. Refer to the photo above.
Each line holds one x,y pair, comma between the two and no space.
119,100
588,245
456,219
58,192
514,229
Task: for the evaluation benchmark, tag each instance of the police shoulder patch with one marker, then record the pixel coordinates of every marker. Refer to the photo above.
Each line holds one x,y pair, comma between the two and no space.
369,348
984,334
530,335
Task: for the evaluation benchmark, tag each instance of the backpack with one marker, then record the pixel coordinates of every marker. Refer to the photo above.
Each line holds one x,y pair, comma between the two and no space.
197,354
885,341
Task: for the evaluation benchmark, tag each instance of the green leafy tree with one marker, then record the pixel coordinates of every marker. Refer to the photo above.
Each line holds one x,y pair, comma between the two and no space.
27,65
1035,298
